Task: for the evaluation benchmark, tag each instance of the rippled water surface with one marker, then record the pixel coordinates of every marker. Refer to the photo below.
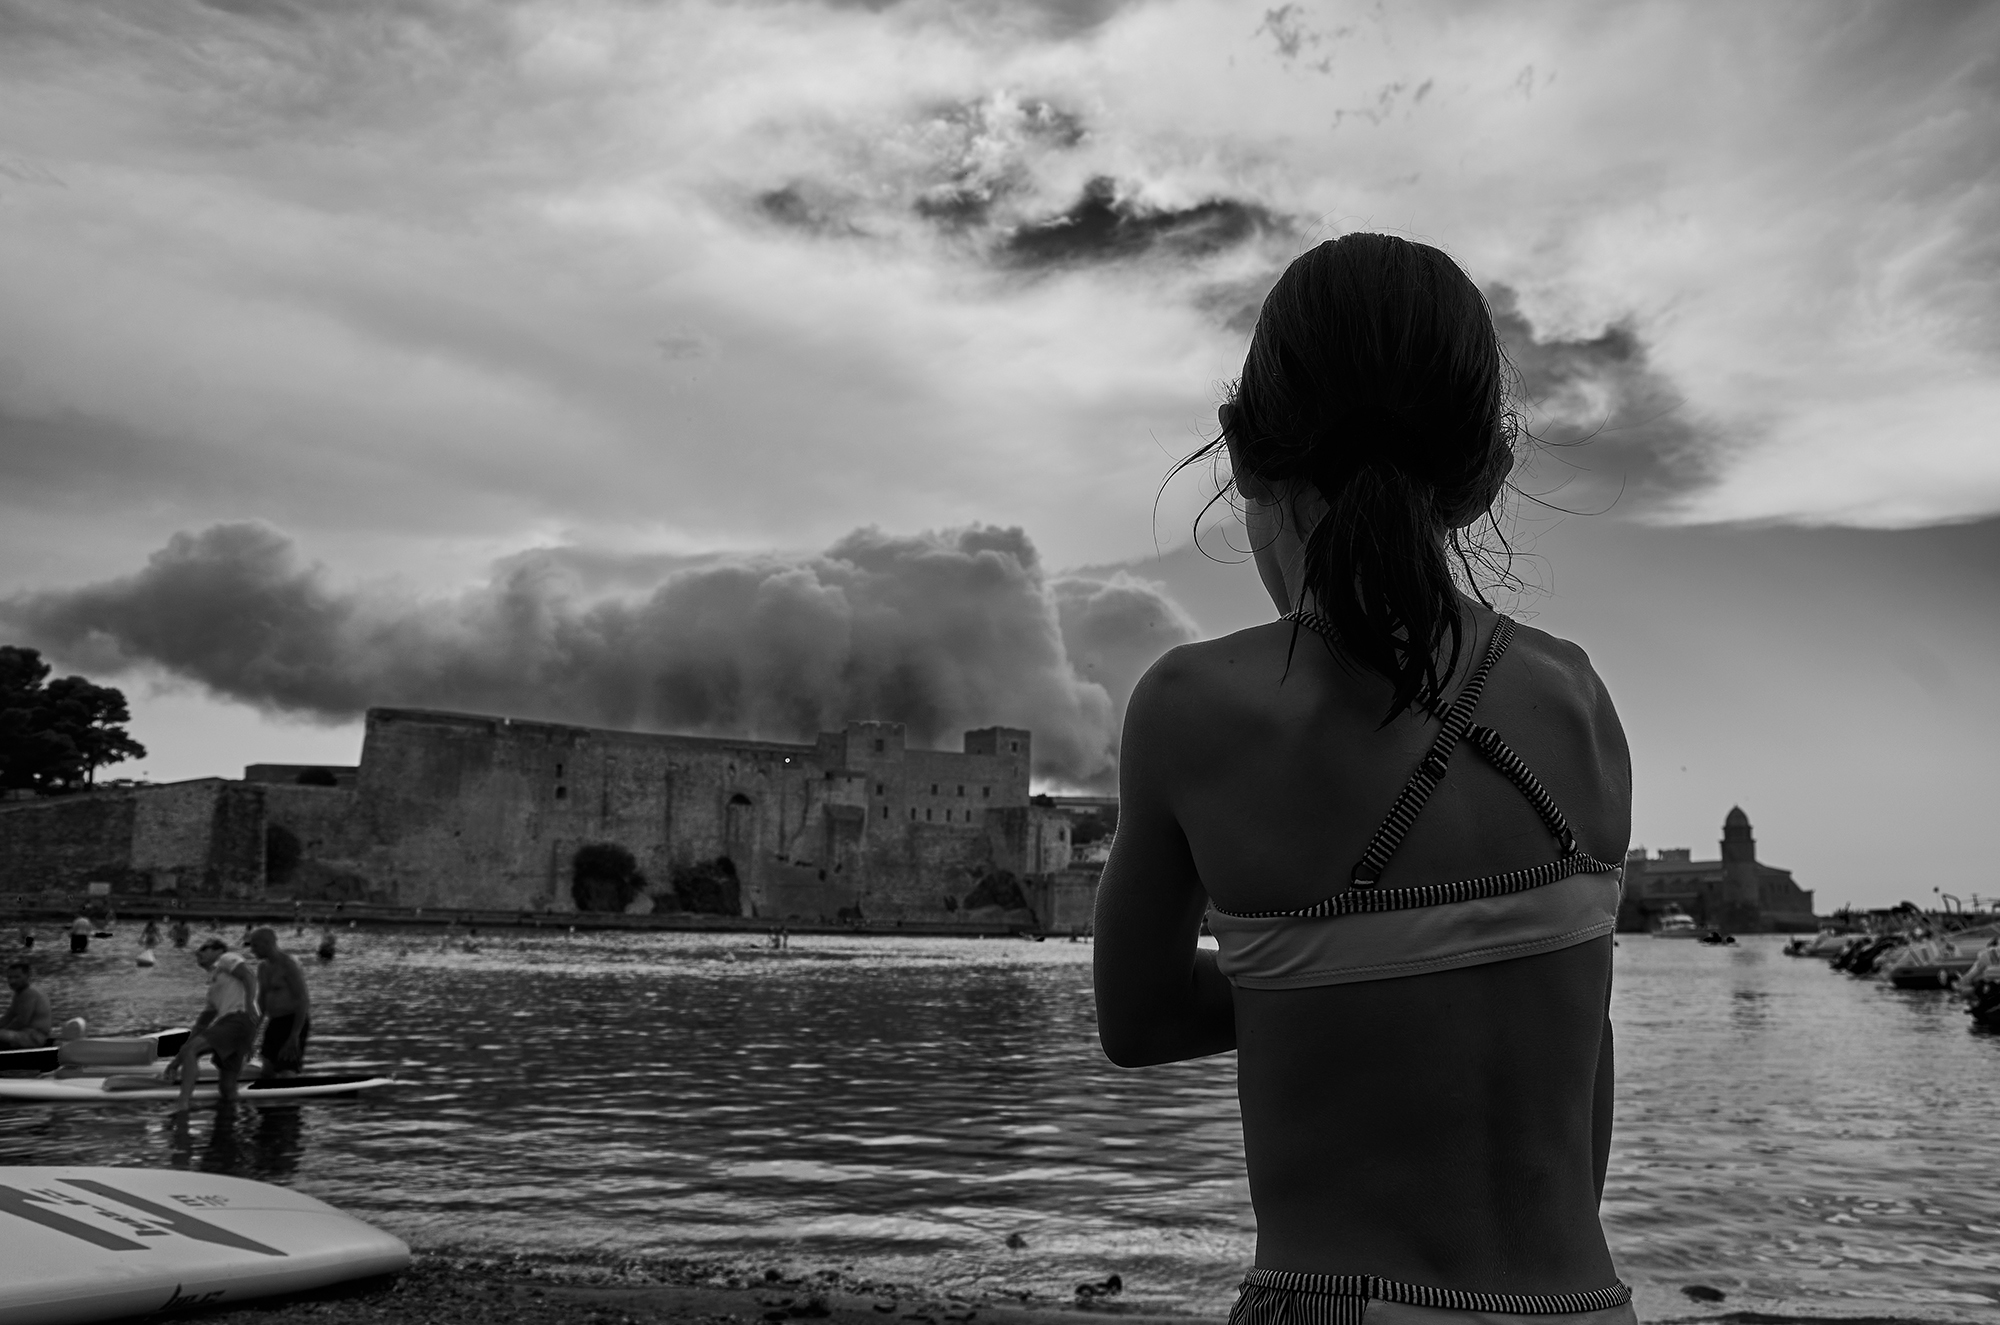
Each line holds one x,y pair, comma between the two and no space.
1800,1140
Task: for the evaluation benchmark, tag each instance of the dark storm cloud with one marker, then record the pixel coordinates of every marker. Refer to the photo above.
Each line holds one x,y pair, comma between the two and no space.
1611,429
940,631
1103,226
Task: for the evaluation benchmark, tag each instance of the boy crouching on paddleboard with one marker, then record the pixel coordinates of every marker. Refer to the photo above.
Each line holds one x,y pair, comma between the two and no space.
227,1027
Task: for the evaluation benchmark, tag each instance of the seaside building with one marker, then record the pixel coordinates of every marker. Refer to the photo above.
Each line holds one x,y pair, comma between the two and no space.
462,811
1737,893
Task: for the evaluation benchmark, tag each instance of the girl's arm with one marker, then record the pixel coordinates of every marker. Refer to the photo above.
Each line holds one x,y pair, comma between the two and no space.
1159,998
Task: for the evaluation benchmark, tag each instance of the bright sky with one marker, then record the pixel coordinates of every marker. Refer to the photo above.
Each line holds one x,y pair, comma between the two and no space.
543,356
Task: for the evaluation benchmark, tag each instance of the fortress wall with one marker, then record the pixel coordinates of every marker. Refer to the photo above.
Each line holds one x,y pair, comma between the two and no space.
463,810
235,857
203,838
62,843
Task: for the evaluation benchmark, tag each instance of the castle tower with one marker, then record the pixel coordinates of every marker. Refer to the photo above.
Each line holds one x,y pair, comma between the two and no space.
1737,843
1742,897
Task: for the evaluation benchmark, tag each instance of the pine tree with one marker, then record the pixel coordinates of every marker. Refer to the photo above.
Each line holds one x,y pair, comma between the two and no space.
55,735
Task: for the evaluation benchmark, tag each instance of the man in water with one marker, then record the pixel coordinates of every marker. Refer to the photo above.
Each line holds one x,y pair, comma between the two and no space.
281,988
79,934
29,1017
226,1028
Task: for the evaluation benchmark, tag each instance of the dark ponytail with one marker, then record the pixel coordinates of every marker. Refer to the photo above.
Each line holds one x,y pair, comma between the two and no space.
1375,376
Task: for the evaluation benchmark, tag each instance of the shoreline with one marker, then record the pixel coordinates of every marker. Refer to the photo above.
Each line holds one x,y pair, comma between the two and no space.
455,1289
449,1288
135,910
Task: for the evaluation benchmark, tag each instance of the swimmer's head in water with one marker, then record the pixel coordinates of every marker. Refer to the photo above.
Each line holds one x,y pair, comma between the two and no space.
1375,382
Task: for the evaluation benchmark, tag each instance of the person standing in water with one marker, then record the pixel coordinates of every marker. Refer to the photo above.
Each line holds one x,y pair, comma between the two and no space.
29,1018
79,934
1414,937
150,936
226,1028
281,990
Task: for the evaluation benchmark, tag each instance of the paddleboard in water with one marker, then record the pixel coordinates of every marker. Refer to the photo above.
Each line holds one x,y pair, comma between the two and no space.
88,1244
116,1049
148,1088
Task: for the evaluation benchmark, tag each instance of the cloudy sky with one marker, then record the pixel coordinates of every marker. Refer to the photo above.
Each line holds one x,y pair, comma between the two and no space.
734,367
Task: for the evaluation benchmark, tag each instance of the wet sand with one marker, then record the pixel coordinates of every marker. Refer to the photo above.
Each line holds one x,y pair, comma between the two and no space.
451,1290
454,1290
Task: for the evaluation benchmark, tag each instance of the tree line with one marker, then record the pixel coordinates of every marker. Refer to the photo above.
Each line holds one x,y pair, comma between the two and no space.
56,734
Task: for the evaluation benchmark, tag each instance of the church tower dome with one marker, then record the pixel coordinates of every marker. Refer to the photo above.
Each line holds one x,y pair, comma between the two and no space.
1737,843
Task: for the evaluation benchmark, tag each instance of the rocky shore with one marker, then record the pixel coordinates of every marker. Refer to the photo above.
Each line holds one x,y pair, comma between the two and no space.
447,1289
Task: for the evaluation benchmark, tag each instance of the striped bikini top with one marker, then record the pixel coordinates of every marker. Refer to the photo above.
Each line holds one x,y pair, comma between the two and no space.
1372,933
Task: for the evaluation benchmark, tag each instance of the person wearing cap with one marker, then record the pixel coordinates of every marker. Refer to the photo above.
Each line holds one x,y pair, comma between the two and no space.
227,1027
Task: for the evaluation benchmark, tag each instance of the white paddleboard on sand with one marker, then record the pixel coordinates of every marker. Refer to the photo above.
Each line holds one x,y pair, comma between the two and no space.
87,1244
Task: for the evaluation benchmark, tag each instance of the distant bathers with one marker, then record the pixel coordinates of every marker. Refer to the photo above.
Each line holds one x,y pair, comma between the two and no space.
1372,933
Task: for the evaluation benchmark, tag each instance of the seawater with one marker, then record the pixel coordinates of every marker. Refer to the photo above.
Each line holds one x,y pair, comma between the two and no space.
900,1108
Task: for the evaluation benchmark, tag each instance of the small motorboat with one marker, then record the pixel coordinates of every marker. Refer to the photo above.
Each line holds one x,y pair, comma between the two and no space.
1675,923
1826,943
1715,938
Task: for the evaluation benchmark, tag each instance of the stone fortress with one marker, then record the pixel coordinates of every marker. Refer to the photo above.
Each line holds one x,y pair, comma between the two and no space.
457,811
1738,894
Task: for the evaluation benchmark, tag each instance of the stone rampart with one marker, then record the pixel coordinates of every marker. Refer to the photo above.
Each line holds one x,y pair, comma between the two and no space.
203,838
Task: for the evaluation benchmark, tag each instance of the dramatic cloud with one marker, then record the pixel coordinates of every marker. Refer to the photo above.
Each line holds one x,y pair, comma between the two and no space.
426,280
939,631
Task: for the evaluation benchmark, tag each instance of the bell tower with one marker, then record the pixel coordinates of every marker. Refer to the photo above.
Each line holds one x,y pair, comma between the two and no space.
1742,894
1737,843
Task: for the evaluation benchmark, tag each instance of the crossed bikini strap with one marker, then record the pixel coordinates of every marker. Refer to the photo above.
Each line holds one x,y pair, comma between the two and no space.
1457,725
1431,768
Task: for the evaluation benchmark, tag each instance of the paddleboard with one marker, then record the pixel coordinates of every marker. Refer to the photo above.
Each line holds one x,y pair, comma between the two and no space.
46,1059
138,1089
88,1244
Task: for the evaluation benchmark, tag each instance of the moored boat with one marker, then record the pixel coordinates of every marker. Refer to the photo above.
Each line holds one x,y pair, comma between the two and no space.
1674,923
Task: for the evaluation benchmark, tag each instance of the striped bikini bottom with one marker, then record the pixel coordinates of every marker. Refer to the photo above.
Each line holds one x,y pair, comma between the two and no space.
1284,1297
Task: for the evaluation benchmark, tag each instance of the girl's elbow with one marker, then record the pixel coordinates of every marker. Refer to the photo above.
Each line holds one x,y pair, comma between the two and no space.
1128,1044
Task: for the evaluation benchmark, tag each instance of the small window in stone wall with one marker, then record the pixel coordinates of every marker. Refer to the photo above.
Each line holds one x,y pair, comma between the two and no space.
934,788
987,792
562,793
961,789
1013,747
881,787
947,816
927,815
559,769
880,746
885,811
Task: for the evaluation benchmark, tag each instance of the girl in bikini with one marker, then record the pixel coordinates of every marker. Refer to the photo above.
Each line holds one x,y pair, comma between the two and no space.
1402,816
